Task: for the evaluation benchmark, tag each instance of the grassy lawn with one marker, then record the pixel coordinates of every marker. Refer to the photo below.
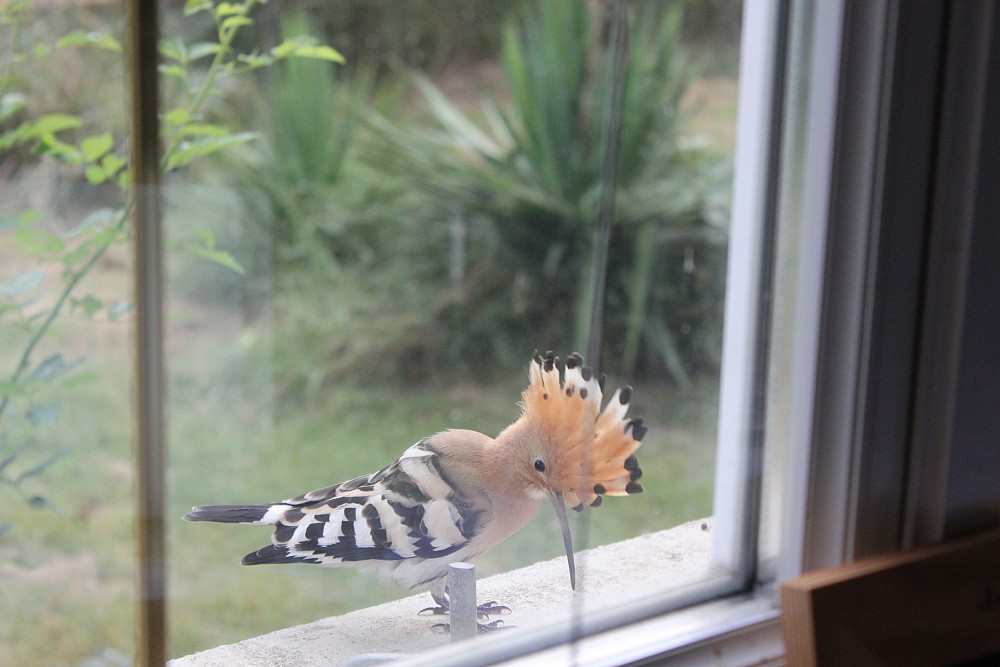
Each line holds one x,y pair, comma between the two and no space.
234,443
69,573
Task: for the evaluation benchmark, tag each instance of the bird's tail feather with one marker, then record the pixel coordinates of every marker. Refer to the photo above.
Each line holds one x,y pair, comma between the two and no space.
271,554
229,513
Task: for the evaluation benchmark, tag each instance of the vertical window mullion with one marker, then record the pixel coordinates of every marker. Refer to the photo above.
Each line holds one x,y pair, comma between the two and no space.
150,443
749,265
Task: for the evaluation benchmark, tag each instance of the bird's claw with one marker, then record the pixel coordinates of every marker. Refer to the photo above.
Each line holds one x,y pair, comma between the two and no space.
493,625
491,608
433,611
483,627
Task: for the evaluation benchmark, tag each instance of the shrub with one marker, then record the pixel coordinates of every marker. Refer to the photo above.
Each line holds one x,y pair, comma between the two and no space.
530,169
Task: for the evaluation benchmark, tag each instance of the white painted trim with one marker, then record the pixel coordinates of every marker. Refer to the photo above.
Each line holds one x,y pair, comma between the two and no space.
804,210
756,134
620,585
737,631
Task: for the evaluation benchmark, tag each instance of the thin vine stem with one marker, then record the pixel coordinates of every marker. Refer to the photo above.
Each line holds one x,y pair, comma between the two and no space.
24,362
225,48
226,38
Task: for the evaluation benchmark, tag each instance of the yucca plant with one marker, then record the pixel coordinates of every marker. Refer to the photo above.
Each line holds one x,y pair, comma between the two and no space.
531,168
340,244
300,180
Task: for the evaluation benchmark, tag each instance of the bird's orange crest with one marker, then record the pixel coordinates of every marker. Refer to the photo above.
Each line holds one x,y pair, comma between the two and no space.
591,450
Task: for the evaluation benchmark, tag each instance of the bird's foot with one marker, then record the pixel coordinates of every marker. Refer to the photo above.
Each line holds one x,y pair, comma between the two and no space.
492,626
491,608
485,610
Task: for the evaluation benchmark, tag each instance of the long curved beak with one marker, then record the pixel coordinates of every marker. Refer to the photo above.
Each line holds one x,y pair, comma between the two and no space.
560,507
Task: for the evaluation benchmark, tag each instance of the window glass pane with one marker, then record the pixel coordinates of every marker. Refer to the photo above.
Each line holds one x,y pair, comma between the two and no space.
361,254
378,245
66,527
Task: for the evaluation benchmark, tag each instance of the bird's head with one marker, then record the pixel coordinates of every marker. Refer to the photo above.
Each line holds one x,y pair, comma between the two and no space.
569,449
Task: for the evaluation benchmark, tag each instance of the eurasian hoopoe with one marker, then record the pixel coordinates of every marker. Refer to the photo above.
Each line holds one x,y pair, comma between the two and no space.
456,494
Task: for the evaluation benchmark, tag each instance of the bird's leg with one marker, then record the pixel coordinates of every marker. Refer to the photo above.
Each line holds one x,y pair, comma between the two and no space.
440,596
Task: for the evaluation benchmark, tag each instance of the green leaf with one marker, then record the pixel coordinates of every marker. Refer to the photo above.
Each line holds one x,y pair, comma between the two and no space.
43,130
92,148
234,22
177,117
320,52
95,174
195,6
38,502
35,242
52,367
203,130
119,308
92,39
175,71
10,104
203,50
106,235
79,379
24,282
256,60
306,47
220,257
12,388
89,304
53,123
228,9
48,144
112,164
173,50
44,415
99,218
202,146
19,220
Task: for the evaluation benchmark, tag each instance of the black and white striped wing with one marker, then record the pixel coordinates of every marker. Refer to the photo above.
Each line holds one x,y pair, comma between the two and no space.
407,510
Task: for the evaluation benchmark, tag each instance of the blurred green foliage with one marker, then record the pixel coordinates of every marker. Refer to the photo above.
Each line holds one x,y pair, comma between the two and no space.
467,233
423,34
30,302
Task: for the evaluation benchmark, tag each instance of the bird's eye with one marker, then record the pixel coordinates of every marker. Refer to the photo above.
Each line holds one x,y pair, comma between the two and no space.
539,465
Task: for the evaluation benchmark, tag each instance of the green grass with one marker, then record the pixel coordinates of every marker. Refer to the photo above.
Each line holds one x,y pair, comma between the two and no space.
69,574
232,443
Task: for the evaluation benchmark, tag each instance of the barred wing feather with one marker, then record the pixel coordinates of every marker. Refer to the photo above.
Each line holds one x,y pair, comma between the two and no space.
407,510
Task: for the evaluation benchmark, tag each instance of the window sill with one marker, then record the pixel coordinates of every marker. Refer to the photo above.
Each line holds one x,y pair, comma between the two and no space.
669,559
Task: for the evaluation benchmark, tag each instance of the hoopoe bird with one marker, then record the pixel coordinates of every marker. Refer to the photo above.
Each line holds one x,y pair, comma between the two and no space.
457,494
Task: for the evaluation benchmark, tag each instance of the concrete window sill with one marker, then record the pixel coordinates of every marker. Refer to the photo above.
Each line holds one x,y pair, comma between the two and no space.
537,594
